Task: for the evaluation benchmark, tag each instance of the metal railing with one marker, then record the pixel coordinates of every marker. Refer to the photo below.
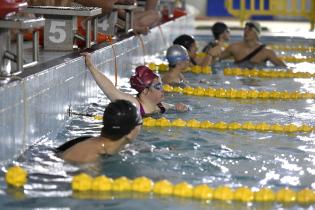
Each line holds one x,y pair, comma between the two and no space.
289,8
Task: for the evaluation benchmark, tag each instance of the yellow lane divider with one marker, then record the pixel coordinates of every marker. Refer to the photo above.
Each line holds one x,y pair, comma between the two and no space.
84,183
292,48
238,94
193,123
221,125
290,59
194,69
17,177
266,73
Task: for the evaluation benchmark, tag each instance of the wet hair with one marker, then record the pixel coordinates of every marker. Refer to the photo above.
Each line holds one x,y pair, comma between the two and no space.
142,79
218,28
119,119
185,41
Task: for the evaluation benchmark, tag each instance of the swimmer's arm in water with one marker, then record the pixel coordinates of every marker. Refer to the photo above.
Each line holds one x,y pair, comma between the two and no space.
105,84
227,53
275,59
180,107
212,54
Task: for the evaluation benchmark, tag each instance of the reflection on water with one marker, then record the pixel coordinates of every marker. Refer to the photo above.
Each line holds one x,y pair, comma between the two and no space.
233,158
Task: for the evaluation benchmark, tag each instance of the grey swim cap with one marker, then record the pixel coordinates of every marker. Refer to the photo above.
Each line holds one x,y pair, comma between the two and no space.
176,53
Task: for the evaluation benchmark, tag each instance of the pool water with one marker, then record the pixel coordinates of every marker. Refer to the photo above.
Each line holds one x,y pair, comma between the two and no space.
198,156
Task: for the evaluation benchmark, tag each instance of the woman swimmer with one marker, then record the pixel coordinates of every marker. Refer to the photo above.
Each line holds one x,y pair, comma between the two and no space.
121,125
190,44
145,82
178,61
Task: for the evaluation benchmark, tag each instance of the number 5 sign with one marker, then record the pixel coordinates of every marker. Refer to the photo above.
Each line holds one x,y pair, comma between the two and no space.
59,33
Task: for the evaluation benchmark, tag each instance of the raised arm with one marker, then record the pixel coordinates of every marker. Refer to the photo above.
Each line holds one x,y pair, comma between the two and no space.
105,84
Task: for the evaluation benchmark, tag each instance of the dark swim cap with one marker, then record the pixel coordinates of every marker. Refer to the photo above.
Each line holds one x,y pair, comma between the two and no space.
219,28
142,79
185,40
119,119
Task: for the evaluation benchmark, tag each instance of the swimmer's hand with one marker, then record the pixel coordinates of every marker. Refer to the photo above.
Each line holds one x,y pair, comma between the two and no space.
180,107
88,59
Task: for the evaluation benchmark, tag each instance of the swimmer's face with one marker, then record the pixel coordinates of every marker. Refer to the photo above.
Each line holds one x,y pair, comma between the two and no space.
156,90
193,50
249,33
183,64
226,35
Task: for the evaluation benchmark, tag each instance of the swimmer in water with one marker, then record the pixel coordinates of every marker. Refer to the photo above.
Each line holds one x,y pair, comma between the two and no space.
190,44
251,51
121,125
149,99
178,61
221,34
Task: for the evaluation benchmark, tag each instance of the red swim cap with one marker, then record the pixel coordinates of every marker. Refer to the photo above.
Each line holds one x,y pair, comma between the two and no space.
142,79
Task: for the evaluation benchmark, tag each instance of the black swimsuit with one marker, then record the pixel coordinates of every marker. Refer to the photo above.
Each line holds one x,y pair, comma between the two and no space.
71,143
209,46
251,55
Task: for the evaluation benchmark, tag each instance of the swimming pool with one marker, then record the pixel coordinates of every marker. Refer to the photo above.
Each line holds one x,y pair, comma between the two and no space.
214,157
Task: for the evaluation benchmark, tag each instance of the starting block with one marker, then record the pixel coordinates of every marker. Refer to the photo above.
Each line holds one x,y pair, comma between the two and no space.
107,23
6,56
129,10
61,25
171,5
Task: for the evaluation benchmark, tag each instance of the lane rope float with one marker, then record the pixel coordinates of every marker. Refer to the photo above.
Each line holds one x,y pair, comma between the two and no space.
266,73
84,183
238,94
221,125
194,69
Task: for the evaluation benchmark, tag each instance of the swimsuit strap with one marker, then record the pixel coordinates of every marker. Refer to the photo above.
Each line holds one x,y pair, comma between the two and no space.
209,46
251,55
193,61
71,143
162,108
142,112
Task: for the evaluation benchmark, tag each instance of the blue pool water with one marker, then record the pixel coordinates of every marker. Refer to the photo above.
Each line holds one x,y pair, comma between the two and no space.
213,157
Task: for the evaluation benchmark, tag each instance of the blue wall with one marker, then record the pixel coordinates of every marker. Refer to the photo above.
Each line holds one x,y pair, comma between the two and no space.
217,8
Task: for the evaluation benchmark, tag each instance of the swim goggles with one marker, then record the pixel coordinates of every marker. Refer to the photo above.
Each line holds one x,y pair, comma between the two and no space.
157,86
251,25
